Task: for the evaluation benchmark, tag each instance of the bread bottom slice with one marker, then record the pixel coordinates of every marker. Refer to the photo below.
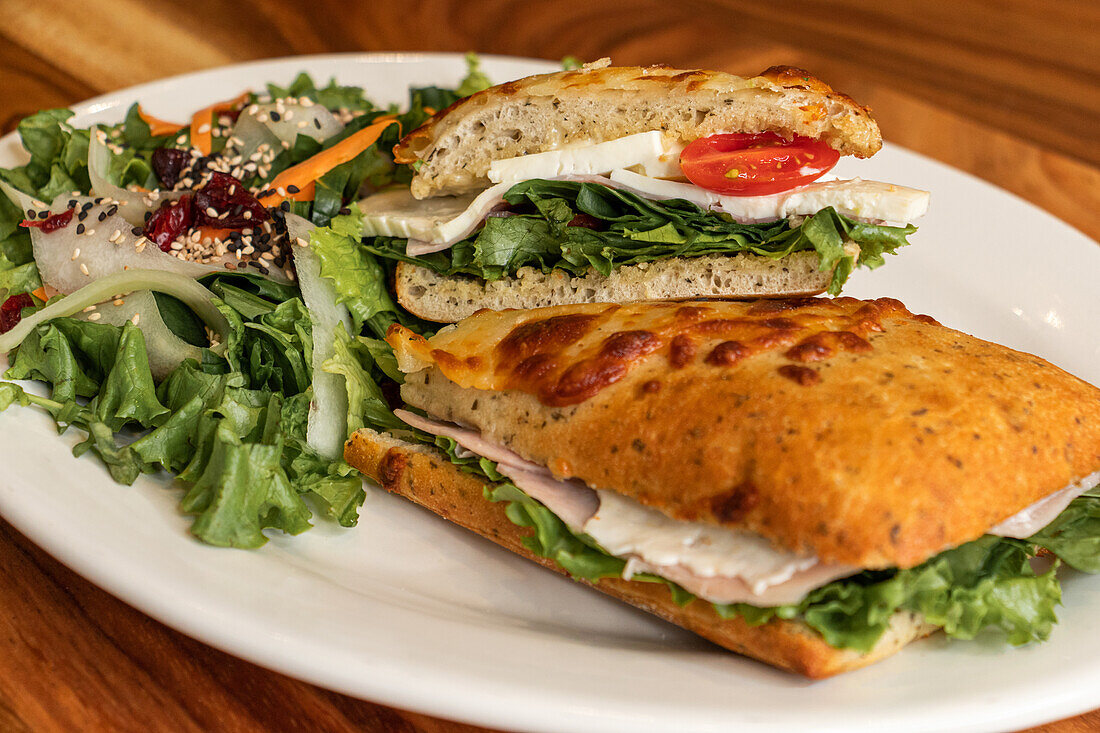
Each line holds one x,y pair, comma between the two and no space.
425,476
450,298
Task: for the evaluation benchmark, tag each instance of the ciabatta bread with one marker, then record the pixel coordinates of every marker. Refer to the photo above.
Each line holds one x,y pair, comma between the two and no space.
426,477
446,299
453,150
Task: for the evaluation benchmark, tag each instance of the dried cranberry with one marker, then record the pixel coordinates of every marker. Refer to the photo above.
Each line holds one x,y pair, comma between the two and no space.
168,222
12,311
587,221
52,223
224,194
168,163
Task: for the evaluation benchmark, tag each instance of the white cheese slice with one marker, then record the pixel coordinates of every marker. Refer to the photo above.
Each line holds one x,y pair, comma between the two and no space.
870,200
444,220
624,528
651,153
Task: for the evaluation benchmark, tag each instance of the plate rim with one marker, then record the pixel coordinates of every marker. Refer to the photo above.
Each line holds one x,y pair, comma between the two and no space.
384,695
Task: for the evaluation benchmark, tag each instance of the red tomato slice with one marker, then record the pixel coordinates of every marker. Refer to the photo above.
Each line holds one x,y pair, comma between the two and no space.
743,164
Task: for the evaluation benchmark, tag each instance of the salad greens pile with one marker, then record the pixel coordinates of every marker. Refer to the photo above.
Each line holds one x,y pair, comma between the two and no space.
231,426
577,225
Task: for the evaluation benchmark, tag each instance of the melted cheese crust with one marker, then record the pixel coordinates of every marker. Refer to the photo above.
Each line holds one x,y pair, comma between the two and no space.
566,355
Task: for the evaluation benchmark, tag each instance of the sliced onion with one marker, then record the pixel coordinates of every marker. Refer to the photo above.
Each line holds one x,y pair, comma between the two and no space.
24,201
255,126
68,261
132,205
327,426
166,350
195,296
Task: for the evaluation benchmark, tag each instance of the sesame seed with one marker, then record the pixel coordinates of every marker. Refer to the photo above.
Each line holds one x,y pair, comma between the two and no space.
135,319
79,228
84,269
281,191
116,235
302,123
90,232
95,316
140,246
177,245
293,189
76,253
301,242
204,128
118,302
89,309
289,274
261,118
211,211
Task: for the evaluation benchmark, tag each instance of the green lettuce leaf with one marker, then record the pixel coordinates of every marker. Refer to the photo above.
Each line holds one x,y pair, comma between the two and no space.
632,230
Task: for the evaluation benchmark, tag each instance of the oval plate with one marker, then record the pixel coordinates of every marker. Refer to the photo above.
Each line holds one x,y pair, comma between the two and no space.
414,612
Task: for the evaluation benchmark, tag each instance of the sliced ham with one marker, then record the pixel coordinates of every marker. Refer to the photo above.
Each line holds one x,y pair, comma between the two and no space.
717,564
1026,523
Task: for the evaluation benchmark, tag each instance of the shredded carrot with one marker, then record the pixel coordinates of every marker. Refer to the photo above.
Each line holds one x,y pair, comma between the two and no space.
157,126
202,122
209,234
303,176
430,110
41,294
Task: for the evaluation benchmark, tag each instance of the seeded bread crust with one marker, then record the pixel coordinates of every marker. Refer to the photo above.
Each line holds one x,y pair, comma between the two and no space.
426,477
548,111
852,430
447,299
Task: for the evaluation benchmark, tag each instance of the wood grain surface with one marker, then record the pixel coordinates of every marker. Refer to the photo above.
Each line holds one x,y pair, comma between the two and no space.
1008,90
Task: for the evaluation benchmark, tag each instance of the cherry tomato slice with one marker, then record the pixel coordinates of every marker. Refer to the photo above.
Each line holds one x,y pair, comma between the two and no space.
757,164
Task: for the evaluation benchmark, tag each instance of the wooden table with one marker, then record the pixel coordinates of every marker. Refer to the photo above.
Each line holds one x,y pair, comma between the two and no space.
1008,90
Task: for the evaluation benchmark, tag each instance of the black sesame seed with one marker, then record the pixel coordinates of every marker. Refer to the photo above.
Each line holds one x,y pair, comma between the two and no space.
274,116
136,231
87,205
113,210
44,214
148,215
102,215
317,122
31,213
262,269
285,206
344,211
82,216
72,203
97,201
79,228
292,189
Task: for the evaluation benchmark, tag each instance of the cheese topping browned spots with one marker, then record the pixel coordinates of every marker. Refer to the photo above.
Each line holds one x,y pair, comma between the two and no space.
568,354
681,351
727,353
588,376
803,375
823,345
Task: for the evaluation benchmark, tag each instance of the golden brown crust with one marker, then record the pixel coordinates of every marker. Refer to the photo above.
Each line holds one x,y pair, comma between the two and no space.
849,429
426,477
595,104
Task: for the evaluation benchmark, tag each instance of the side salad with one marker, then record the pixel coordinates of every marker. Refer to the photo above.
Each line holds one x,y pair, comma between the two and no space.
188,293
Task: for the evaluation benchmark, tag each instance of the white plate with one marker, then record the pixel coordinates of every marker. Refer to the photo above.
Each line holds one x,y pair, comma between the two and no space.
414,612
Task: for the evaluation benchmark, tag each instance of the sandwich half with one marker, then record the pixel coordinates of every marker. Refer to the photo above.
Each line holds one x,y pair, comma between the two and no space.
618,184
813,483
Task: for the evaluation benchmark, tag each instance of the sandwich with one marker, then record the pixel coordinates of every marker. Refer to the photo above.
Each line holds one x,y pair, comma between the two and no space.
811,482
617,184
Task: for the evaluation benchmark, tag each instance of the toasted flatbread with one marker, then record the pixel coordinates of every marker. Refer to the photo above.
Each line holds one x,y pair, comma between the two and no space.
548,111
446,299
426,477
853,430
